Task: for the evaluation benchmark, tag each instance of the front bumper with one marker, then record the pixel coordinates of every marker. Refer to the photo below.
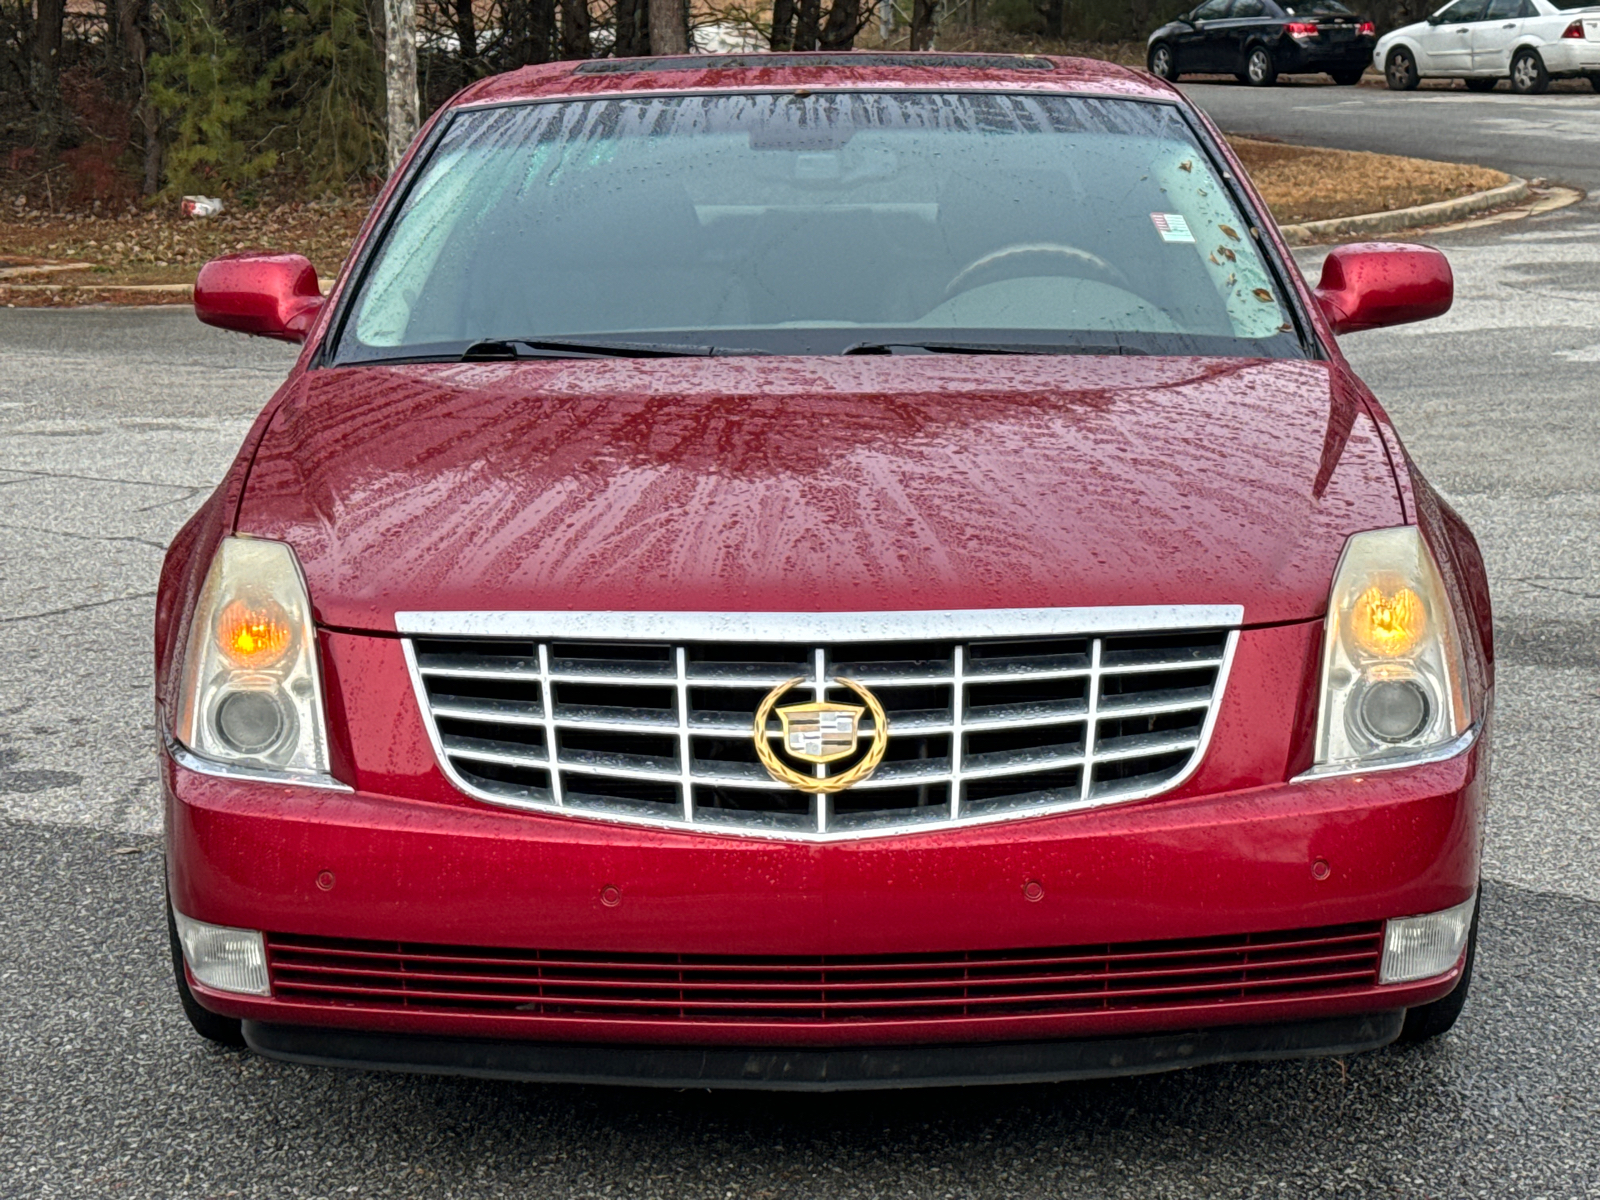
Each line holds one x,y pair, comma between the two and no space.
360,865
821,1070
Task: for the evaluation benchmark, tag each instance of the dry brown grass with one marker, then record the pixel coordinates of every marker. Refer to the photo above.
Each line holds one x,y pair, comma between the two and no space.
159,248
1303,184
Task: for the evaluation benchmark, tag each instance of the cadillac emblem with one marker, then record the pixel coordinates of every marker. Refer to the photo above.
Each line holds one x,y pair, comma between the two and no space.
819,733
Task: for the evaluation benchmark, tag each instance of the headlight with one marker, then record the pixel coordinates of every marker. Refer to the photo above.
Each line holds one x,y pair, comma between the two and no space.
251,694
1392,676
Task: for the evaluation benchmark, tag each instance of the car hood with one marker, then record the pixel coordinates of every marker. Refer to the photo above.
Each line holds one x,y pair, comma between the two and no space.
819,484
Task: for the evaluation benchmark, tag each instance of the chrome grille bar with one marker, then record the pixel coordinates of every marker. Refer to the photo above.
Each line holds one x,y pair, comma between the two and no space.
958,710
1092,723
980,728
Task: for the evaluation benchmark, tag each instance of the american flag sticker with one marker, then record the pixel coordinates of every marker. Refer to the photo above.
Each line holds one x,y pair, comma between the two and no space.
1172,227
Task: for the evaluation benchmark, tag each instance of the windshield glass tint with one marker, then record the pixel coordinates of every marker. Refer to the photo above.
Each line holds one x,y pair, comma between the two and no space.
810,223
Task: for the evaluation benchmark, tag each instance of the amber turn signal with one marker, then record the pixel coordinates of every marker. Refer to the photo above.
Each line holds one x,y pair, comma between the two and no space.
1388,622
253,634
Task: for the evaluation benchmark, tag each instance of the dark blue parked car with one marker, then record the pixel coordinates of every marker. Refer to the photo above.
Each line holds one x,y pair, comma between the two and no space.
1257,40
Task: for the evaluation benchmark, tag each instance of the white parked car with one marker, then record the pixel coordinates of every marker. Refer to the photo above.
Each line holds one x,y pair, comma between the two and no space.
1529,42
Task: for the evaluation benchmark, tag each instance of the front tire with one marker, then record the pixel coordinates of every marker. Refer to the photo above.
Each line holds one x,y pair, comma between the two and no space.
1480,85
1163,62
1400,71
1259,69
1528,76
1347,78
1430,1020
224,1031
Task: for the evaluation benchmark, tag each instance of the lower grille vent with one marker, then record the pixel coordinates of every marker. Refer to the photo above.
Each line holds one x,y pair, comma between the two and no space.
1146,975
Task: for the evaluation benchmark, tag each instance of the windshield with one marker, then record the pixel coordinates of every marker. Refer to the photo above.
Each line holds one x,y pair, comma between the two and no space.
805,223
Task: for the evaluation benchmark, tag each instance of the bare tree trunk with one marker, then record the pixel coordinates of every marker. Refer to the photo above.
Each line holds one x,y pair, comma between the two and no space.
922,24
633,28
45,72
807,26
541,30
530,28
669,27
131,17
466,30
844,22
400,75
575,39
782,24
376,19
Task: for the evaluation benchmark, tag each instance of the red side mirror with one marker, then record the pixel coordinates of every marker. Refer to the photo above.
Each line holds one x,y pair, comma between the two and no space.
1373,284
269,295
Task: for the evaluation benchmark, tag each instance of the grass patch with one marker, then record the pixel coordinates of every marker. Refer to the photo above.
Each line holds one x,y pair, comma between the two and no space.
1301,183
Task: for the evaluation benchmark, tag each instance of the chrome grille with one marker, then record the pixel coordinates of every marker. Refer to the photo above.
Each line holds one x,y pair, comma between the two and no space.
978,728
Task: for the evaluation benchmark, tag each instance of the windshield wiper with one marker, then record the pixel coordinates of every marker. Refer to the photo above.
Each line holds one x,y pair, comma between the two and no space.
985,348
508,349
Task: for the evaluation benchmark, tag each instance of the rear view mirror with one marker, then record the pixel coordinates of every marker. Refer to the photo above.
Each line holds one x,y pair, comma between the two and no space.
268,295
1374,284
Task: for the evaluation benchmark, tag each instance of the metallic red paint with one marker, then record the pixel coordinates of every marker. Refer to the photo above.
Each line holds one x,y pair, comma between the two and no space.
806,484
1375,284
269,295
697,74
762,484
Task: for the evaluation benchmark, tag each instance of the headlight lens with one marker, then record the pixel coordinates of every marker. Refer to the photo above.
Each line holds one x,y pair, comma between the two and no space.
251,693
1392,678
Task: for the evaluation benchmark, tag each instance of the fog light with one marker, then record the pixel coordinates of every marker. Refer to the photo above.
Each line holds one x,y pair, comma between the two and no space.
1422,947
230,960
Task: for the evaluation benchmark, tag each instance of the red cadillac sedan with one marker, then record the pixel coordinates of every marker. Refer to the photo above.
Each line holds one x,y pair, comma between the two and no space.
822,571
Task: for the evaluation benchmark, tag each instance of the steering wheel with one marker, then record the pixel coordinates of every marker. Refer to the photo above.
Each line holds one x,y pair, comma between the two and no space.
1021,259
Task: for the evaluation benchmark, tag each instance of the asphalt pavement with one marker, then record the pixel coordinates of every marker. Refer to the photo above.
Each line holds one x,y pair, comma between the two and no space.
114,425
1554,137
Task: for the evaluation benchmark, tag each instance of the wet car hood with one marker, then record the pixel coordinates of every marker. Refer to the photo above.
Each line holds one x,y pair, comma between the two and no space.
819,484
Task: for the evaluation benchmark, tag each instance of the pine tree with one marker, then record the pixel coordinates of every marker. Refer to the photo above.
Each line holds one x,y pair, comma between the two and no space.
216,94
332,77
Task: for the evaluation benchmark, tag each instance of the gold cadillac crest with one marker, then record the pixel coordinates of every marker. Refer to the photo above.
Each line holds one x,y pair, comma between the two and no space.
818,733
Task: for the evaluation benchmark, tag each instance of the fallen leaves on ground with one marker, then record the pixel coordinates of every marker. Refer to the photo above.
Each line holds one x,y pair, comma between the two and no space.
148,250
1301,183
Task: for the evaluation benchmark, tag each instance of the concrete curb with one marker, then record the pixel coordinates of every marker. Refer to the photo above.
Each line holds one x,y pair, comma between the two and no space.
1441,213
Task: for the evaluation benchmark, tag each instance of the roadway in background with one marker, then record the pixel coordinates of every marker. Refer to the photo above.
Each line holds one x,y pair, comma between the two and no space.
1555,136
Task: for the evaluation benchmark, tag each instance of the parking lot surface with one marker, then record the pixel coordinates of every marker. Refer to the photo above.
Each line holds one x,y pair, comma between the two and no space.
115,424
1554,137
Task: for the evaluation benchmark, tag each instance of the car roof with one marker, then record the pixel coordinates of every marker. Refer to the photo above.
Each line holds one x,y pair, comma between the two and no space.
837,69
